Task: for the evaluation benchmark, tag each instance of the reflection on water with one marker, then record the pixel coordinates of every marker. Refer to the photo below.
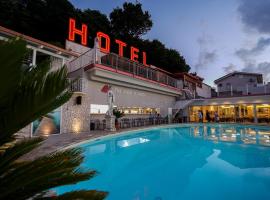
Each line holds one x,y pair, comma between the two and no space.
132,141
219,135
232,133
198,161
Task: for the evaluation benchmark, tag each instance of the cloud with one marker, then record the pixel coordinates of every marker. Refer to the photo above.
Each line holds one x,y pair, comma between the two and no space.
263,68
204,40
206,56
247,54
230,68
255,14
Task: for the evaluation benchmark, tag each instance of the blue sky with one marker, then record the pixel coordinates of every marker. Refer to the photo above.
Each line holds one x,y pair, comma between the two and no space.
214,36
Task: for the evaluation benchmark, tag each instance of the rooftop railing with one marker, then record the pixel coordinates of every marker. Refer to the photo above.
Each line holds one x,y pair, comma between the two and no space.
138,70
121,64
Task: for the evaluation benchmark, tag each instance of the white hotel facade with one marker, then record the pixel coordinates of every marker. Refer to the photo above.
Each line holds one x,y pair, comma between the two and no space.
138,90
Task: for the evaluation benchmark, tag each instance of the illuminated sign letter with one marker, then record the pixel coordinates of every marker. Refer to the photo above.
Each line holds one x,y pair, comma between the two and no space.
105,49
121,45
73,31
144,59
134,54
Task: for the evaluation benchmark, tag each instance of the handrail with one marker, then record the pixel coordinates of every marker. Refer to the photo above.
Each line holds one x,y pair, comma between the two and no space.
123,64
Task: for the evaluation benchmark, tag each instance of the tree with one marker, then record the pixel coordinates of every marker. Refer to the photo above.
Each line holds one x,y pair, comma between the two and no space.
96,21
47,20
130,20
27,93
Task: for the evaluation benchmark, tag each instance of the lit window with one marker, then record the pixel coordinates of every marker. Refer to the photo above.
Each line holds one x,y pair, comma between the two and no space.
98,109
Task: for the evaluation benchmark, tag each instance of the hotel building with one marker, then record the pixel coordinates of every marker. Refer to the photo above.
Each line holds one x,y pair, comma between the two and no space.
139,90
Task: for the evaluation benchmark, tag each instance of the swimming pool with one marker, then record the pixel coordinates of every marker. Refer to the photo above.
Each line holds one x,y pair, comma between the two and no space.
189,162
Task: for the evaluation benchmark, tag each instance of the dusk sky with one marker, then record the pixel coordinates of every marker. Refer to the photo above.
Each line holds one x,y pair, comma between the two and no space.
214,36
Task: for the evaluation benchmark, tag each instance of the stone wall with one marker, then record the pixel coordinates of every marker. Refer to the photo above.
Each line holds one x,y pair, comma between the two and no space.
76,118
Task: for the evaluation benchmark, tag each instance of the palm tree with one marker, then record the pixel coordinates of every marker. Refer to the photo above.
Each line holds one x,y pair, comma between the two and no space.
26,94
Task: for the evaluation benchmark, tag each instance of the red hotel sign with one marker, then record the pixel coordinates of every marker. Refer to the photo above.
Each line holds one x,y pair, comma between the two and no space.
82,32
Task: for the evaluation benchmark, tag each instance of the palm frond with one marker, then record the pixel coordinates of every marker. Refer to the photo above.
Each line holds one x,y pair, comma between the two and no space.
40,91
26,94
11,154
30,178
82,195
12,54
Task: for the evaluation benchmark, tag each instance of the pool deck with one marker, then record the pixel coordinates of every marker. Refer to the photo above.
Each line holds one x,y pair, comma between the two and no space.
57,142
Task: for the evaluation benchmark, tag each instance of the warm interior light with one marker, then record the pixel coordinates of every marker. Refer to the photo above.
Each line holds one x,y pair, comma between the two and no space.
76,126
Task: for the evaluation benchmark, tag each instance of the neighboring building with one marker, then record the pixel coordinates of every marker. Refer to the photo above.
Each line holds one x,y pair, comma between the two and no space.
241,83
241,97
233,109
205,91
193,86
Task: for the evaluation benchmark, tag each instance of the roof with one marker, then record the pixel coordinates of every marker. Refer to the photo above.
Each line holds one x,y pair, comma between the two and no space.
160,69
10,33
250,99
236,72
192,76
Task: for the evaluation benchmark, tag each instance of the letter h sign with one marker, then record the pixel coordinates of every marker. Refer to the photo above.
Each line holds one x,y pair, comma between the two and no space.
73,30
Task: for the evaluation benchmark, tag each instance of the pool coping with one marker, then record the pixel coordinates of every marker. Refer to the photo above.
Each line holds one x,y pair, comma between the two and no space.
123,132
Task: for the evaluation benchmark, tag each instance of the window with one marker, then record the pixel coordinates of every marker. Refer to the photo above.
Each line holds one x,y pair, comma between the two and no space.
78,100
228,86
98,109
220,85
138,110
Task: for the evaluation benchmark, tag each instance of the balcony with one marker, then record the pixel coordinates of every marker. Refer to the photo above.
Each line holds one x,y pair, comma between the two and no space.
123,66
137,70
77,85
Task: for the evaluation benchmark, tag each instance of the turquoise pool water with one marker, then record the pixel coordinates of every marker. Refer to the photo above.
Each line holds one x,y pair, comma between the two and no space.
188,162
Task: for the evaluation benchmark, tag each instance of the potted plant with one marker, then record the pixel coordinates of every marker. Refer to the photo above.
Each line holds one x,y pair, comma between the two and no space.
118,114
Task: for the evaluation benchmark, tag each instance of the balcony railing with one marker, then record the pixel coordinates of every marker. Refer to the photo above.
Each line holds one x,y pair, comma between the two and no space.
121,64
77,85
138,70
82,61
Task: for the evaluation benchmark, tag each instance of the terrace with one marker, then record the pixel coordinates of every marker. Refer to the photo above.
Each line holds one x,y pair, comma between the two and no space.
114,63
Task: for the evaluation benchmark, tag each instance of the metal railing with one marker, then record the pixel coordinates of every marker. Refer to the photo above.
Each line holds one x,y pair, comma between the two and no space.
77,85
82,61
122,64
136,69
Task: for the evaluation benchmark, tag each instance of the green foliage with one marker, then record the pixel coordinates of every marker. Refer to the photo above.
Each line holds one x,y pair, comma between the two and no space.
130,20
26,94
96,21
25,179
118,114
48,20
